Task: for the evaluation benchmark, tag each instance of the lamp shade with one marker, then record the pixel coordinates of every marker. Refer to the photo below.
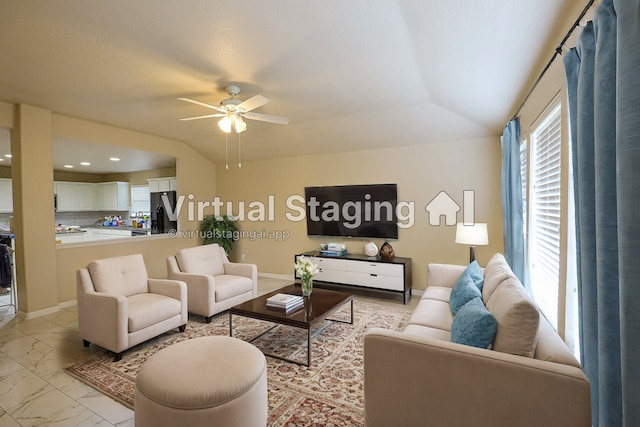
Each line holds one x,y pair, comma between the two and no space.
225,124
475,234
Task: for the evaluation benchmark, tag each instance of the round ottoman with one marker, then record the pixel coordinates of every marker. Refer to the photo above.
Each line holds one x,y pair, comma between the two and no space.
207,381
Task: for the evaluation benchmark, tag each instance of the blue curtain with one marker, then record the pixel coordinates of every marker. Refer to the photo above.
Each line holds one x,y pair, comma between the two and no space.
607,200
512,204
628,162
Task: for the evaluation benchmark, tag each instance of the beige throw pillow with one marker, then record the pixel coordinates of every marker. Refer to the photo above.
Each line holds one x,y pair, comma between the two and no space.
496,272
517,316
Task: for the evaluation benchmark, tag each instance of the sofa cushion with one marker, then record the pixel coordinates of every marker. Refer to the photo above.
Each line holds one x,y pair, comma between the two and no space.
551,348
204,259
463,291
517,316
439,293
495,273
124,275
473,325
432,313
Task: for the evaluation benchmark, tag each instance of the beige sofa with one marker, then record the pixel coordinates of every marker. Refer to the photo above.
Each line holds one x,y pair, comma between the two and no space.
418,377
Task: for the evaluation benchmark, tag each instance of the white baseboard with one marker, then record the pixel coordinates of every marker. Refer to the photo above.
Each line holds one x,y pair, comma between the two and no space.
38,313
68,304
277,276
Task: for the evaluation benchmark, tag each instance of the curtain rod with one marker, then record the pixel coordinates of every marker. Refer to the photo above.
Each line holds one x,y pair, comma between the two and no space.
557,52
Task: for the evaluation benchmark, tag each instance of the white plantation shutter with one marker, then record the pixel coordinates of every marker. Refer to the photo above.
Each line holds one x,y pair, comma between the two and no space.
523,173
544,226
140,200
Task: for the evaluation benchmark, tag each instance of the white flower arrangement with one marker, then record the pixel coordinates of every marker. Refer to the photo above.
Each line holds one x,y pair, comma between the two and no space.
306,268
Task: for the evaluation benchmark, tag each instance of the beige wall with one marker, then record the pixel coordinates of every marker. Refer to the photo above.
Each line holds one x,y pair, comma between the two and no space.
42,287
421,172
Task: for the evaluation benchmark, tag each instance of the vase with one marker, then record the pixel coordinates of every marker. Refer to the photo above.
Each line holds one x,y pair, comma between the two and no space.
307,286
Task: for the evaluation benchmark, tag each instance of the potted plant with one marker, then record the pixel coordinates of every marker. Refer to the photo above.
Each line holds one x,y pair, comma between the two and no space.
222,230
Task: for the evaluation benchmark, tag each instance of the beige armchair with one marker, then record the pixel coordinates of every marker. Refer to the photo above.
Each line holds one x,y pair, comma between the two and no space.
119,306
214,284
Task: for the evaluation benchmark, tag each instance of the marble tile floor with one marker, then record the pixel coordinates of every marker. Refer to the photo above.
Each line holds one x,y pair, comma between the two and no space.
35,390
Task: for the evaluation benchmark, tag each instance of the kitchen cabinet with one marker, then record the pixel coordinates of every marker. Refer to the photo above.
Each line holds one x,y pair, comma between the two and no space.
83,196
65,194
75,196
162,184
112,196
6,196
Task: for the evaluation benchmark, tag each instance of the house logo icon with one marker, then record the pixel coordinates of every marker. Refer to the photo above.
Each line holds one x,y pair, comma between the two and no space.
443,205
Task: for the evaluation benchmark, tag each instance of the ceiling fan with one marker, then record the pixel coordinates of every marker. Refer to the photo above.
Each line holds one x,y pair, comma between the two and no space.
233,111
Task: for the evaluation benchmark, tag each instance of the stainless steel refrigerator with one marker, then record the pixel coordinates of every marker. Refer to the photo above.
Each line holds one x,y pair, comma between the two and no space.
160,222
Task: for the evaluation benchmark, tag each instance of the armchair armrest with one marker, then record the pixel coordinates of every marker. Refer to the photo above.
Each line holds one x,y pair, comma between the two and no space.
102,318
238,269
245,270
172,288
413,381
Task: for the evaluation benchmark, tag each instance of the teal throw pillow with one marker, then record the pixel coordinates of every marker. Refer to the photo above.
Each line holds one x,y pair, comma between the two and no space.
474,325
475,272
464,290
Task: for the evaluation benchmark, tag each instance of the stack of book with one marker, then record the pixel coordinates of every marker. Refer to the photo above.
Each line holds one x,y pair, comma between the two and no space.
285,302
327,252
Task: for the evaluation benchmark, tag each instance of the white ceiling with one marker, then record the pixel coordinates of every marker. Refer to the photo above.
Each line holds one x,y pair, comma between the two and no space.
350,74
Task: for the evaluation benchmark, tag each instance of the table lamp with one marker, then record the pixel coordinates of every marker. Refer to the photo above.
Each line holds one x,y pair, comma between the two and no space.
473,235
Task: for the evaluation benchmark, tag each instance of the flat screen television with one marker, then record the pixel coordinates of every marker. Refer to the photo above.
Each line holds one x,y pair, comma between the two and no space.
352,211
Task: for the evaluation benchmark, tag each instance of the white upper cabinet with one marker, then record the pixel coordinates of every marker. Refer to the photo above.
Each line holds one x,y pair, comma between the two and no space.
113,196
75,196
6,196
162,184
65,192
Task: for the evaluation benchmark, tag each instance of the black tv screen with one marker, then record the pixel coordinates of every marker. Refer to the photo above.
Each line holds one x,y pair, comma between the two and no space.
352,211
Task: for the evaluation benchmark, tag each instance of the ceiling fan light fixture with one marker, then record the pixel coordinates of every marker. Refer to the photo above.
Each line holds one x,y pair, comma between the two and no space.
225,124
239,124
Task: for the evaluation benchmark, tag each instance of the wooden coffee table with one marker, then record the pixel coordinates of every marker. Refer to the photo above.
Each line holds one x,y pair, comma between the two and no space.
317,307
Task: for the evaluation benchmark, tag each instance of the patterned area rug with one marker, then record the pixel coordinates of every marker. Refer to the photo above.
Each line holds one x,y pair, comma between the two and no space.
329,393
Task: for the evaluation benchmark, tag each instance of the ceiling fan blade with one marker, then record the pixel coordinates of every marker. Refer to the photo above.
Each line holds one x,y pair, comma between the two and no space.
253,103
204,104
266,118
202,117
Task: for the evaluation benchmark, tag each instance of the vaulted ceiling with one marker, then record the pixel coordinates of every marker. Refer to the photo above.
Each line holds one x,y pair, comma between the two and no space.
351,75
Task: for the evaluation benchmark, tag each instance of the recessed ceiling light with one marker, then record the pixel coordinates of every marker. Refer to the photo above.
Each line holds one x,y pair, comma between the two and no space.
8,155
114,159
85,163
68,166
1,160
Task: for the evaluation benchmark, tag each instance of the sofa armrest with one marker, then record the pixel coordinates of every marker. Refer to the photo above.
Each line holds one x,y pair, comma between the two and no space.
413,381
102,318
443,275
245,270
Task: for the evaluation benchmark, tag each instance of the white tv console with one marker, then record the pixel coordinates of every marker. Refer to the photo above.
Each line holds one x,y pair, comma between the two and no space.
358,271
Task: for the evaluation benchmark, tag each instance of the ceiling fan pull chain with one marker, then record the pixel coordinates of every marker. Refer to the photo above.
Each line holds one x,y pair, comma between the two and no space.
226,149
239,161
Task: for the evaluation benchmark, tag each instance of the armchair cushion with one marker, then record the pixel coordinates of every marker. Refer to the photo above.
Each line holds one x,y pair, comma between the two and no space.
205,259
124,275
148,309
228,286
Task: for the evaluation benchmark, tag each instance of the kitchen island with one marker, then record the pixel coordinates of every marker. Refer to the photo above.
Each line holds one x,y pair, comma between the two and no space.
96,233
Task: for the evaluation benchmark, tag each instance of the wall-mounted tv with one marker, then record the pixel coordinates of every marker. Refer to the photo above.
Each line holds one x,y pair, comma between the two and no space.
352,211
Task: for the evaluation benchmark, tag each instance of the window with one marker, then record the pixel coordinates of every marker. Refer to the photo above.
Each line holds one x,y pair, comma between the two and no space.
523,174
140,201
544,214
